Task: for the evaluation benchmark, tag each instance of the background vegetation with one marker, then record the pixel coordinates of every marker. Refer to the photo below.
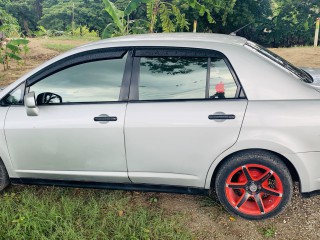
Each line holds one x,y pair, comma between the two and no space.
271,22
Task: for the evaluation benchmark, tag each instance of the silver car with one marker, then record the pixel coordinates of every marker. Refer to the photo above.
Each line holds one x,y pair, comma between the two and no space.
185,113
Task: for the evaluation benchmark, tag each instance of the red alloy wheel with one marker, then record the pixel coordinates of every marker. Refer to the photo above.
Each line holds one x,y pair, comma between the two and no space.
254,189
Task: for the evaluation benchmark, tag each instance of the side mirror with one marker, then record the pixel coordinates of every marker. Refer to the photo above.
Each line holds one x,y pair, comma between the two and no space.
30,104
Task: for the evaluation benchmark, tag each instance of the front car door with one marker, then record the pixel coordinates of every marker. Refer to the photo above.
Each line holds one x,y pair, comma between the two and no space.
186,107
78,134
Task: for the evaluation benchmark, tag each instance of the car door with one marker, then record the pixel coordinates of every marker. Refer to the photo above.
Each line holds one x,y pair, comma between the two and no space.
186,107
78,133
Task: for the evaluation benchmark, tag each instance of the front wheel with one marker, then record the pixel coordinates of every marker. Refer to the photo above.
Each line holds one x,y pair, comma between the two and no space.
4,178
254,185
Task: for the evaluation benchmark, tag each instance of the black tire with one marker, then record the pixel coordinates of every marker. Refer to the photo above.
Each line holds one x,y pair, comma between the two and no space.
232,196
4,177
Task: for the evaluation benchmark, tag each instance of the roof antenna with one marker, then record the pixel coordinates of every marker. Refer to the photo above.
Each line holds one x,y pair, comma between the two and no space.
234,33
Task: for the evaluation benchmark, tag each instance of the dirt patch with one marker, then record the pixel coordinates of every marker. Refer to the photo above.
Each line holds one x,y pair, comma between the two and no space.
206,218
300,56
38,55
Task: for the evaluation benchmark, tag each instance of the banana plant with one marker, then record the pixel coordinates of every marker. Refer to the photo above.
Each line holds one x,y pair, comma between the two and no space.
122,25
11,51
166,12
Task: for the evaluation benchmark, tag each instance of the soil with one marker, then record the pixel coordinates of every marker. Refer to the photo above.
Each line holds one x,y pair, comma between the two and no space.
206,218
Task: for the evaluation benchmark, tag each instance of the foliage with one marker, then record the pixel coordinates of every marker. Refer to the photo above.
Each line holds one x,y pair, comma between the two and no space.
271,22
122,25
27,12
8,24
59,213
275,23
12,51
41,31
84,31
168,13
57,14
292,21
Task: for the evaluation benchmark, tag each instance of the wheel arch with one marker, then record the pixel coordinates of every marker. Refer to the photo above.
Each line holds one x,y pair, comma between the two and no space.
210,183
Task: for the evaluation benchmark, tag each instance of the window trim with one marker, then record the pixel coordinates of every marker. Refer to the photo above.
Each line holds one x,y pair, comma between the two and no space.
179,52
87,57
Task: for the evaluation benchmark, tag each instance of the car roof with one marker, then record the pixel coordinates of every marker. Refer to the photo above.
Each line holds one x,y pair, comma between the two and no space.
179,38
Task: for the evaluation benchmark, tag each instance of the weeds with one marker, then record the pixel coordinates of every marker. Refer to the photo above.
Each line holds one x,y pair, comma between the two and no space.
59,213
268,231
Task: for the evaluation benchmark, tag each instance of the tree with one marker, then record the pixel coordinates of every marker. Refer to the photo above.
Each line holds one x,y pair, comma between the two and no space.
8,24
28,13
292,22
162,15
57,14
168,14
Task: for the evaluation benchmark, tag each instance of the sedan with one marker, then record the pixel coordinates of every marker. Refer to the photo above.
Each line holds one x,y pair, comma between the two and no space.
184,113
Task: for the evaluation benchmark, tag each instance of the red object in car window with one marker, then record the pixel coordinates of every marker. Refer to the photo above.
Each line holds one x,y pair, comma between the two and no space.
220,87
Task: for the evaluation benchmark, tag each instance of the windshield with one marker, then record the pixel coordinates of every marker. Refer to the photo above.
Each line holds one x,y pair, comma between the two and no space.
302,75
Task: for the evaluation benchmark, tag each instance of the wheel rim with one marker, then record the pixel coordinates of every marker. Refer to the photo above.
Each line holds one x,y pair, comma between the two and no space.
254,189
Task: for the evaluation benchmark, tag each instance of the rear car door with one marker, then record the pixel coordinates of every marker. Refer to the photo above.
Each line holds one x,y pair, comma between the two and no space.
78,134
186,107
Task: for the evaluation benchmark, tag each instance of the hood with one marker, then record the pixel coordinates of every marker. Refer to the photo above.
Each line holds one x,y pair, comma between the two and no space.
315,73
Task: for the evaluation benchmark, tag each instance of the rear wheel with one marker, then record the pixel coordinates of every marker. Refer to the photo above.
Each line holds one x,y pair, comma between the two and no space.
254,185
4,178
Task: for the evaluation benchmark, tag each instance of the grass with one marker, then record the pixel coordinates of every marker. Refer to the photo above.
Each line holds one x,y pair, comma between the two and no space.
268,232
59,47
65,213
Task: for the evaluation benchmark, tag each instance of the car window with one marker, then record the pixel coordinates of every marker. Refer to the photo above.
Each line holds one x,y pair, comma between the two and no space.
172,78
222,84
15,97
169,78
97,81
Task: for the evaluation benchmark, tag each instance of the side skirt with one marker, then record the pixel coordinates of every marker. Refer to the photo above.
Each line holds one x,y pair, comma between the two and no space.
310,194
112,186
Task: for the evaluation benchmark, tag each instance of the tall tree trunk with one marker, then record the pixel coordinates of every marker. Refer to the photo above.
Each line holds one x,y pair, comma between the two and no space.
26,27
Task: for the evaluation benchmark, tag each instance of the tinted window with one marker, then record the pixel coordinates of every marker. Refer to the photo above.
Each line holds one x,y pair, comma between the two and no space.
185,78
222,84
88,82
172,78
15,97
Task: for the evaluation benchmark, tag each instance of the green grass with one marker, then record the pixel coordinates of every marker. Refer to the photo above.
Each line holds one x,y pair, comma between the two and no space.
59,47
65,213
268,232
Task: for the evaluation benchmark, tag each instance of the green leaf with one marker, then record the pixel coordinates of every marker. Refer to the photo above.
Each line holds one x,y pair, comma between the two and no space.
14,56
12,47
192,3
114,13
20,41
209,17
133,5
109,30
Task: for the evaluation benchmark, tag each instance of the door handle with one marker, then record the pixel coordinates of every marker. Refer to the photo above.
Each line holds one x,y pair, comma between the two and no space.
105,118
224,117
221,116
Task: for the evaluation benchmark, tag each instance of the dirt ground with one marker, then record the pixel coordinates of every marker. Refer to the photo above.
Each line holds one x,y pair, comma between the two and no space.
206,218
